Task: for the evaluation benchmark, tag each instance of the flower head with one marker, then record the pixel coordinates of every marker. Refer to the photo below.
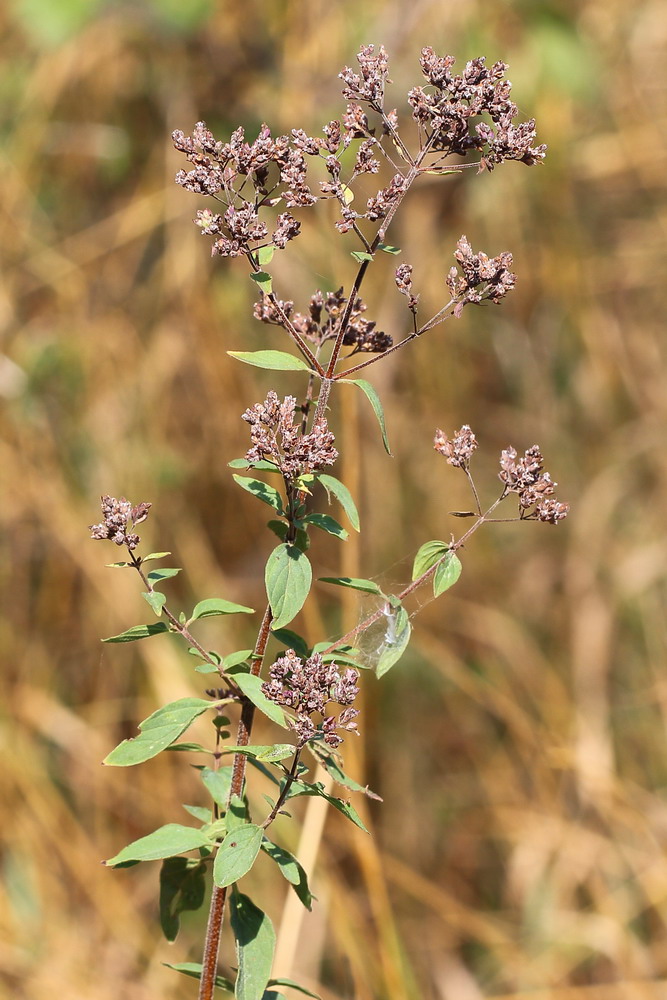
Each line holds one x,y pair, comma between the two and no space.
116,514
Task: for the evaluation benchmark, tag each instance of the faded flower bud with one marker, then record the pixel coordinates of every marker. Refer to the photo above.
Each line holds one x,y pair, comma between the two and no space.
459,450
526,477
309,688
482,277
276,438
116,514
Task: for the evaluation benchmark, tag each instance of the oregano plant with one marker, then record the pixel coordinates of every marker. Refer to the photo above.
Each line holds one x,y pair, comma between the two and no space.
307,690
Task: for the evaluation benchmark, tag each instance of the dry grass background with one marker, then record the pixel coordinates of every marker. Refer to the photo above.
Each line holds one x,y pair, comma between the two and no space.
520,748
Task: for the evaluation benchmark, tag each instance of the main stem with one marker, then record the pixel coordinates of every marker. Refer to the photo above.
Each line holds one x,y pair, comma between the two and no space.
219,895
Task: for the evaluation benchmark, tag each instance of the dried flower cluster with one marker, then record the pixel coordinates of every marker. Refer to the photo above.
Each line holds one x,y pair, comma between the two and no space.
482,277
535,487
323,319
459,450
448,117
450,111
116,514
309,688
276,438
524,476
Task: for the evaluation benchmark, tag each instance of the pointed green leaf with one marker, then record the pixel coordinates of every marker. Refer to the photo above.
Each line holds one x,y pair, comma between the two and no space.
427,555
202,813
218,606
157,732
292,870
367,586
271,754
348,194
118,565
334,487
447,573
156,600
233,659
277,361
260,466
361,255
326,523
317,788
156,575
395,641
154,555
162,843
291,640
288,577
255,944
268,494
139,632
218,783
374,400
265,254
263,279
252,689
193,969
182,887
332,767
388,249
294,986
236,855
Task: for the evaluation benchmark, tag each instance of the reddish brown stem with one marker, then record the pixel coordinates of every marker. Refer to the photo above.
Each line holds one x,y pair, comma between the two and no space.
219,895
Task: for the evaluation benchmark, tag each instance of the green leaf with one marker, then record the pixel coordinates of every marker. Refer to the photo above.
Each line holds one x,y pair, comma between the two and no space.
317,788
162,843
268,494
326,523
156,600
218,606
294,986
193,969
263,279
427,555
277,361
156,575
292,870
154,555
292,641
252,689
218,783
332,767
237,813
288,577
260,466
158,731
447,573
139,632
374,400
334,487
367,586
265,254
348,194
233,659
395,642
202,813
271,754
255,944
118,565
236,855
361,255
187,748
207,668
182,887
388,249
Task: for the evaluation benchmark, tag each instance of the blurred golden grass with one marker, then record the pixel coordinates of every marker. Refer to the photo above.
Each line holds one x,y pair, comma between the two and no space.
520,749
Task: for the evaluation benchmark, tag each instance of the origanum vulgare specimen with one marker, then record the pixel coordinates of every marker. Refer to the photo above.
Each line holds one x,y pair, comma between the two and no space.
256,190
